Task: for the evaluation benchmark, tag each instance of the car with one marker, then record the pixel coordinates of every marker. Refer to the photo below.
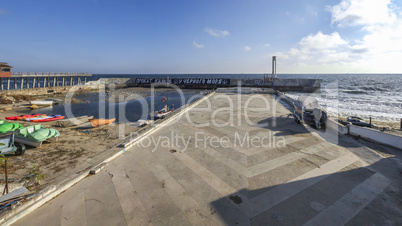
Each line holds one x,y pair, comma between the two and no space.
357,121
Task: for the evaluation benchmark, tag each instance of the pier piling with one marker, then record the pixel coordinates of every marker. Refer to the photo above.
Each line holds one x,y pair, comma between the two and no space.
35,79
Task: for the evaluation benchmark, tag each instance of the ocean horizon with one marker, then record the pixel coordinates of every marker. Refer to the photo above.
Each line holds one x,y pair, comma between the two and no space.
365,95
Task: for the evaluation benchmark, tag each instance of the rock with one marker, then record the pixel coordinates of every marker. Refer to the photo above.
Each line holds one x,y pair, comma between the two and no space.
7,99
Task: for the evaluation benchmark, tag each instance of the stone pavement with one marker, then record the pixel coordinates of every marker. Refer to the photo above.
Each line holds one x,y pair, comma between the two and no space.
262,168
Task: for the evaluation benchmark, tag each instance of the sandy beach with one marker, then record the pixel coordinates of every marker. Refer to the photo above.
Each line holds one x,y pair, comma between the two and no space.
77,149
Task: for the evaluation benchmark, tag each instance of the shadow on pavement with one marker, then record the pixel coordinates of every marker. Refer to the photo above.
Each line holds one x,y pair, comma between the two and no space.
283,125
358,191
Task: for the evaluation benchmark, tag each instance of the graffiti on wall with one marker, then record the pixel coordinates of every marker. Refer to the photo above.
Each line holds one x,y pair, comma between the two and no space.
185,81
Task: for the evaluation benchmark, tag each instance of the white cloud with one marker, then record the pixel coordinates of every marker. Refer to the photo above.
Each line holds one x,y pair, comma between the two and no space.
199,46
216,33
382,48
318,49
247,48
377,51
267,45
362,12
322,41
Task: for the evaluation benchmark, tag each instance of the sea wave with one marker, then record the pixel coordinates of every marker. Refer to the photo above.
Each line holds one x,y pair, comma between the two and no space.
354,91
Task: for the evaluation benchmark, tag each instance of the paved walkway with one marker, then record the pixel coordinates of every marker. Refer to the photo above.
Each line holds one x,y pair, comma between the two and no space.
260,169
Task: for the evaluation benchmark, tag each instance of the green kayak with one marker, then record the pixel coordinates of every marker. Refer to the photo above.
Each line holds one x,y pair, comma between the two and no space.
37,133
7,127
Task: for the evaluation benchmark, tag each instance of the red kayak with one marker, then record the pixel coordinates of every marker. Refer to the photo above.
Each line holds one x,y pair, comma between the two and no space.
23,117
47,119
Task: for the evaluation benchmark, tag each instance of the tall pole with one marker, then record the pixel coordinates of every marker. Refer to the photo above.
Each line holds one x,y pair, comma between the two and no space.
273,71
273,66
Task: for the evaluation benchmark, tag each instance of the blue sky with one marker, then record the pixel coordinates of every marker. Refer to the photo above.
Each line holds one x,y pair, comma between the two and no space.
202,36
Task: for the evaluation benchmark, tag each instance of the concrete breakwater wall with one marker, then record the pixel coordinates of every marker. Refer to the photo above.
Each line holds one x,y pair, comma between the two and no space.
303,85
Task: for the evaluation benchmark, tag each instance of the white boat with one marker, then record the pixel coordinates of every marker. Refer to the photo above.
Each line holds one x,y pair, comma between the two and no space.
53,99
163,113
42,102
143,122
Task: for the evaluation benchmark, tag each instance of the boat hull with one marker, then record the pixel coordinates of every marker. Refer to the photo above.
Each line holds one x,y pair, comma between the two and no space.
25,141
23,117
42,102
100,122
73,121
47,119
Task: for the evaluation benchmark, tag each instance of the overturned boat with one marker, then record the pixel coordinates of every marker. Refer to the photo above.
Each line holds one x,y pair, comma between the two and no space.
101,122
308,110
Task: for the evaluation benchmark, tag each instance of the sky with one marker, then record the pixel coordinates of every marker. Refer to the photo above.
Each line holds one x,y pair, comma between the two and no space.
202,36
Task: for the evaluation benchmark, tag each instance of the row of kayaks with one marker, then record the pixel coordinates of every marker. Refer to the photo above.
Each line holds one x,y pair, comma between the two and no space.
48,118
32,135
37,118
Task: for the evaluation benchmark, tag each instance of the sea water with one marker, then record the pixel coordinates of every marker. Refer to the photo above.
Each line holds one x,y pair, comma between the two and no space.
366,95
101,105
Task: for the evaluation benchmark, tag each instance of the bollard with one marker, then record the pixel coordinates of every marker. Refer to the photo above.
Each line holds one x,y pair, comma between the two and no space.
401,125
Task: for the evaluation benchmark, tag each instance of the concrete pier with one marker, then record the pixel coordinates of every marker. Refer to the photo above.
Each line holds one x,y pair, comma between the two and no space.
237,160
23,80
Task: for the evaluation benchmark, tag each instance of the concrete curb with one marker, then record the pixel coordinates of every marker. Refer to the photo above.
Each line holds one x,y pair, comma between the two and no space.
52,191
391,140
43,196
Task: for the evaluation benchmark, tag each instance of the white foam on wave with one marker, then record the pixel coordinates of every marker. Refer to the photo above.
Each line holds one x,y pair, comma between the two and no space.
379,108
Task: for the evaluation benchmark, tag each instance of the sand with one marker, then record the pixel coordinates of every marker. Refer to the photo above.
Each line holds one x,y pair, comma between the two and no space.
77,149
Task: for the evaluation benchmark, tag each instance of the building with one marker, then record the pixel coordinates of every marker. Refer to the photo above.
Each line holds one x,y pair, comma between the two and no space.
5,70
